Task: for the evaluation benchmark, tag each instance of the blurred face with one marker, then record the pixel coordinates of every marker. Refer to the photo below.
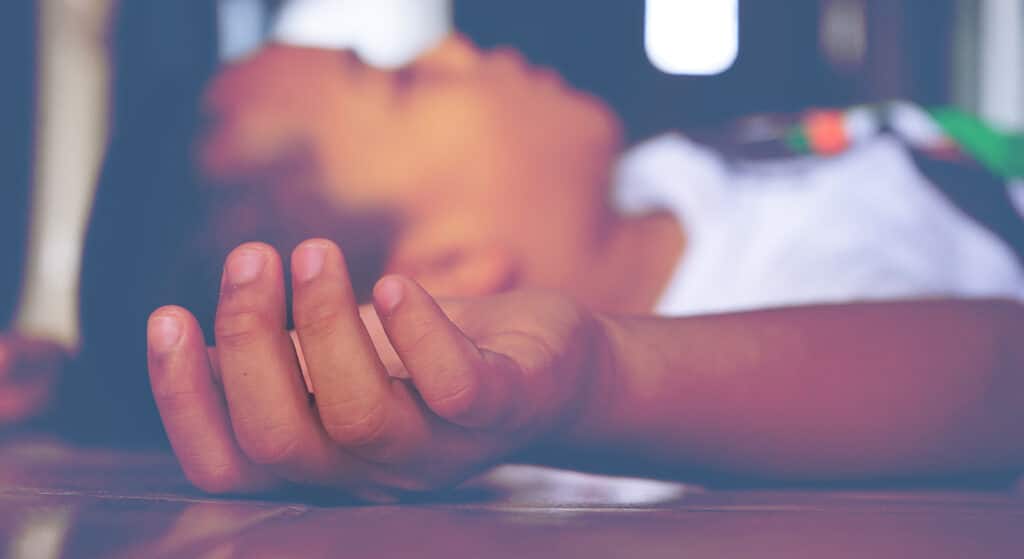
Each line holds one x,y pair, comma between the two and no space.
458,128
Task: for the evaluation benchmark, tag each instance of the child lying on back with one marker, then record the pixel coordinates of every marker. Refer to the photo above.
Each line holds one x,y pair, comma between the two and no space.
539,348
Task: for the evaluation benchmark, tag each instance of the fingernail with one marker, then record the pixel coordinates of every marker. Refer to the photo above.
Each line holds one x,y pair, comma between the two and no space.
245,266
164,332
388,293
308,261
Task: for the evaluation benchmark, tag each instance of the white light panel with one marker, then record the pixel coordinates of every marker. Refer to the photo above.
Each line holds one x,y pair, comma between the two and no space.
696,37
384,33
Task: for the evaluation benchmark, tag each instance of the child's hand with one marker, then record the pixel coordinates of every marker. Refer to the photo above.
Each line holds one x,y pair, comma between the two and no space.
416,401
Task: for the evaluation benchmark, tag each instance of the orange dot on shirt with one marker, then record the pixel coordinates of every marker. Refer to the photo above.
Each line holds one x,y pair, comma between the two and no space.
826,132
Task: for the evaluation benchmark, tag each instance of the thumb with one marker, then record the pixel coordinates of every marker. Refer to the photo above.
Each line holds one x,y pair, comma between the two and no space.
458,381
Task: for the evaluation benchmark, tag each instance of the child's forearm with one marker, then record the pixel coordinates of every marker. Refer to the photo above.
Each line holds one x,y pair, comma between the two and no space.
846,392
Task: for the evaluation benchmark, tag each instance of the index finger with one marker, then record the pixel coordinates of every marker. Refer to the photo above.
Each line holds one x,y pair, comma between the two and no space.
192,407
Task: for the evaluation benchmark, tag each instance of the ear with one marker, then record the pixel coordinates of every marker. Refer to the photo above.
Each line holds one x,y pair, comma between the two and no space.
458,270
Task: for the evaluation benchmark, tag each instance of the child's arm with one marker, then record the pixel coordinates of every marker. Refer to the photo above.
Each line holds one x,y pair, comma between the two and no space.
828,393
844,392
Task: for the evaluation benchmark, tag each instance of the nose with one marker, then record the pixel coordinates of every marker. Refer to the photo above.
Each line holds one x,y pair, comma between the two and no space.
455,53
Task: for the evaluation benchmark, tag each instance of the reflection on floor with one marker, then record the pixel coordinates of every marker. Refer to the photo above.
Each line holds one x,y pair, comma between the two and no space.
61,502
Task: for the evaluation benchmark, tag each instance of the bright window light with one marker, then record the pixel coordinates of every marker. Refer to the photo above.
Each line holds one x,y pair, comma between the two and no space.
697,37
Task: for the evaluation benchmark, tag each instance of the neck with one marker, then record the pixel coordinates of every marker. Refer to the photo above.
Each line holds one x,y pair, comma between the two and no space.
631,264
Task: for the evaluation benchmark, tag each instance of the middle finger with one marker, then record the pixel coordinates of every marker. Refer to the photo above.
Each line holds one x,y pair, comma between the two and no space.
361,407
267,399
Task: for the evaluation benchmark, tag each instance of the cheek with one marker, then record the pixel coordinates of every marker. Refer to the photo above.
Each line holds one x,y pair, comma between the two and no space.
451,136
398,155
361,154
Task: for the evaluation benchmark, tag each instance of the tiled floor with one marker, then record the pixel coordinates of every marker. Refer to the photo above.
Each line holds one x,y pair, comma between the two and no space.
59,502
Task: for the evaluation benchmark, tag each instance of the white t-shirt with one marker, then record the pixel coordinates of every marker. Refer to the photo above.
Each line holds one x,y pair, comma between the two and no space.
864,225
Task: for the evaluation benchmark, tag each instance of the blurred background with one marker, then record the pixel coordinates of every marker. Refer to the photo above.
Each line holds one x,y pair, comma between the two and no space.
792,54
75,72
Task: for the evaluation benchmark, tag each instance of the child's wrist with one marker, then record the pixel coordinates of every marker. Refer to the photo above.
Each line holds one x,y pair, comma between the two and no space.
576,430
604,371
